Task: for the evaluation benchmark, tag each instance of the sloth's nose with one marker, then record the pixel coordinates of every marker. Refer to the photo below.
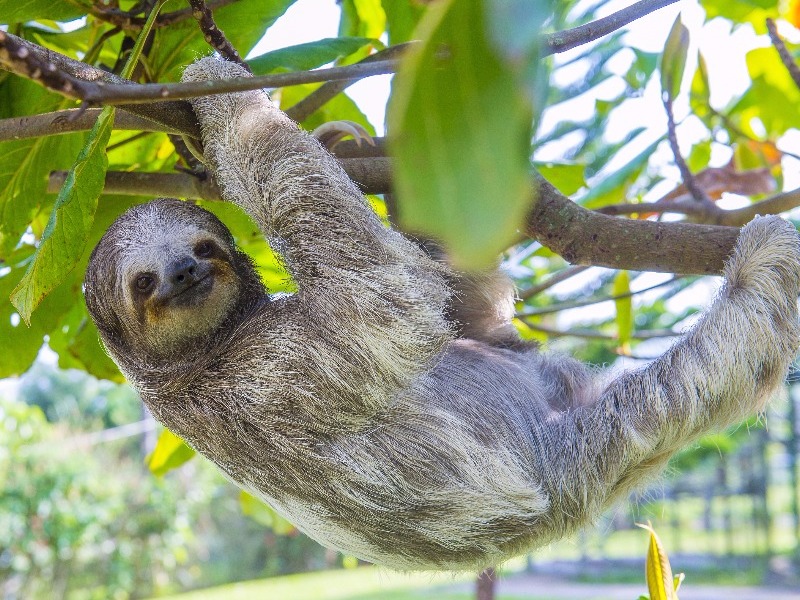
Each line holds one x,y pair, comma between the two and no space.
182,272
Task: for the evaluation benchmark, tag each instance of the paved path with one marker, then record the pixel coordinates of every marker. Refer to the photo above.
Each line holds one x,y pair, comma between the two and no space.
559,589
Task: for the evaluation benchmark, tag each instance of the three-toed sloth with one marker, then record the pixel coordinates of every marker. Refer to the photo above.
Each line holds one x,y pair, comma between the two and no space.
386,408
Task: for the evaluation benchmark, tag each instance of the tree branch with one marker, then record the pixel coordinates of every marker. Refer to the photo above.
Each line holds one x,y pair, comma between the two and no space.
554,279
689,181
561,41
591,334
585,237
786,57
735,218
130,22
213,35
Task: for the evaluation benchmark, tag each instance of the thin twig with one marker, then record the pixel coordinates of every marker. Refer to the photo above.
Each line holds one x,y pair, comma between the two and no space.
689,181
547,310
786,57
561,41
557,278
736,217
591,334
131,22
213,35
315,100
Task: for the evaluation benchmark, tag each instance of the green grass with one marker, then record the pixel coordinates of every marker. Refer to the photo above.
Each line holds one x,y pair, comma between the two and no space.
364,583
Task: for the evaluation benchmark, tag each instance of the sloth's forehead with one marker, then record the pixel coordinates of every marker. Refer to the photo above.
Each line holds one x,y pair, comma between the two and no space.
151,242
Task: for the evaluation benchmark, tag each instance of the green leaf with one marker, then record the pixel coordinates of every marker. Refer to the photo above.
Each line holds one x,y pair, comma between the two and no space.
699,156
462,126
340,108
304,57
25,341
67,230
402,17
622,287
18,11
658,571
264,514
243,22
739,12
673,60
567,178
170,453
362,18
613,187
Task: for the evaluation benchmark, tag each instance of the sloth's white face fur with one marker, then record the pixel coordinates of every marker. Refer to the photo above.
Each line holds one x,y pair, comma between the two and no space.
173,279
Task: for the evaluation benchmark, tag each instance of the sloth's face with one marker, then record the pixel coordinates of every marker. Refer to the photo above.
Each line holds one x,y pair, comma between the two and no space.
167,272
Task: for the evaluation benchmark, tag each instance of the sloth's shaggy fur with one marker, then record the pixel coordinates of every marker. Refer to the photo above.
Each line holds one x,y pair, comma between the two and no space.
373,408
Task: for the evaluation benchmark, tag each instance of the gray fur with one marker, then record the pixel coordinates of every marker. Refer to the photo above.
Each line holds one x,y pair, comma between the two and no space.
354,408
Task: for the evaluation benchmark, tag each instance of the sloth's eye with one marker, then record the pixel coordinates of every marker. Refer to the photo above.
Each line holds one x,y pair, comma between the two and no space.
204,249
144,283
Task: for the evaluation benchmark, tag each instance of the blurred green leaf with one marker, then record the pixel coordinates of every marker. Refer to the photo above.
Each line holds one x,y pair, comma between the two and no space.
567,178
17,11
362,18
304,57
624,306
68,228
613,187
754,12
699,156
243,22
264,514
462,169
170,453
673,59
402,17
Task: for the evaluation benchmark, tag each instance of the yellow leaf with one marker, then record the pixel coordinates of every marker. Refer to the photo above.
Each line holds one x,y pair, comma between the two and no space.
660,582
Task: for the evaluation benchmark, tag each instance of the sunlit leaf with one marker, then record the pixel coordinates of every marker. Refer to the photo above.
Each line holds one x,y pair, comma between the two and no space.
304,57
170,453
67,230
18,11
673,60
462,128
624,306
660,582
402,17
754,12
567,178
264,514
612,188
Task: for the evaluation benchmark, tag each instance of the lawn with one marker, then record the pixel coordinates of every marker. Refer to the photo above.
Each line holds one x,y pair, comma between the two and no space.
363,583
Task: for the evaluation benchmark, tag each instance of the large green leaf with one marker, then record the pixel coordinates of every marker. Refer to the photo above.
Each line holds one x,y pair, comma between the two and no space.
243,22
21,343
304,57
462,126
25,164
67,230
18,11
402,17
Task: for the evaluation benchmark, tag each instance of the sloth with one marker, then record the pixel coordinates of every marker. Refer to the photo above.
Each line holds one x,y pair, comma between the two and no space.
387,408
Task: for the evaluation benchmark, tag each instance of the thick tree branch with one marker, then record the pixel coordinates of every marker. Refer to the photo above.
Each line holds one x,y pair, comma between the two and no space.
581,236
588,238
173,115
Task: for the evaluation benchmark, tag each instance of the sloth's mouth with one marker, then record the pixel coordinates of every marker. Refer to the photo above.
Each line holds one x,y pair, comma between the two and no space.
194,293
